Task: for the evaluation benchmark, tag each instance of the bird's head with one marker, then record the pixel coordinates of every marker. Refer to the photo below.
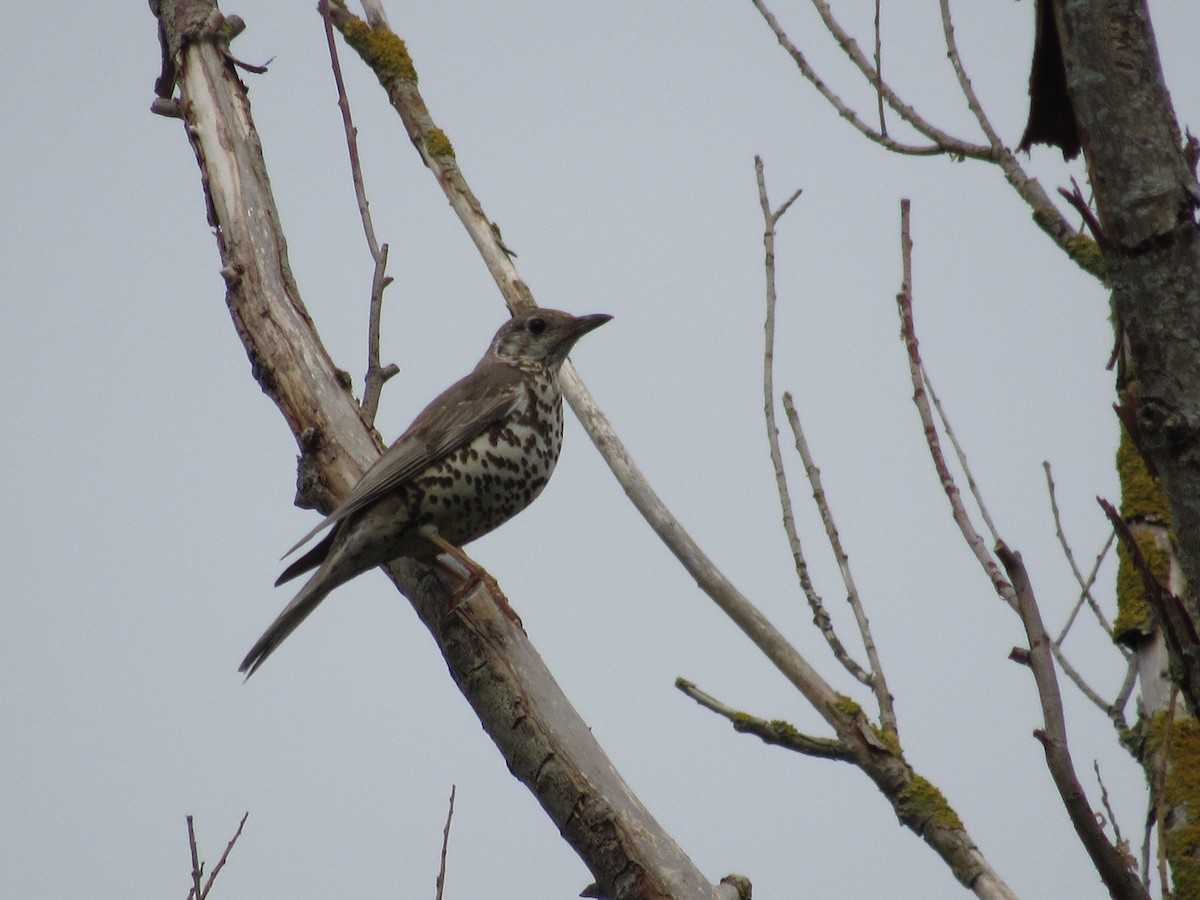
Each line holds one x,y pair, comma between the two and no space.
542,337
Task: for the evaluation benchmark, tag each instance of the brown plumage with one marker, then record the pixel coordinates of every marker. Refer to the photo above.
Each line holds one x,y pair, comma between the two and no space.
474,458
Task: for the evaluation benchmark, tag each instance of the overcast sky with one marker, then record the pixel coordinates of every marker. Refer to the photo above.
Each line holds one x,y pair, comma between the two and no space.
148,483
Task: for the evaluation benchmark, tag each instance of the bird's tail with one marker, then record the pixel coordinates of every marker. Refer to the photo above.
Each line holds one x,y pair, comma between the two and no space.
316,590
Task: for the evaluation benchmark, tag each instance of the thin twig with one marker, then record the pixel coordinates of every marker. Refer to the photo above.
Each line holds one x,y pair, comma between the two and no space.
1045,213
1122,845
887,713
821,617
923,394
964,83
1079,203
441,877
908,333
947,145
1108,810
196,891
212,876
1116,709
776,731
1123,695
961,454
1084,688
849,46
1085,584
879,67
376,374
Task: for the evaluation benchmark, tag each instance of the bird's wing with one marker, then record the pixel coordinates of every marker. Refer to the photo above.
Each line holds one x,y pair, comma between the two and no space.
456,417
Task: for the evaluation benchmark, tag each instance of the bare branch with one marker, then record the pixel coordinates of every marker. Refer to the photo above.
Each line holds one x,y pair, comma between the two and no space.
376,374
441,877
1122,844
1045,213
1071,672
923,393
386,53
943,141
776,731
1085,584
961,454
908,333
1123,695
1080,205
964,83
821,617
951,145
887,713
196,891
212,876
1108,860
879,68
546,743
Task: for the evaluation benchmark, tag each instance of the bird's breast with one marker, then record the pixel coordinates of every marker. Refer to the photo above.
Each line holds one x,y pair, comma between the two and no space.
496,475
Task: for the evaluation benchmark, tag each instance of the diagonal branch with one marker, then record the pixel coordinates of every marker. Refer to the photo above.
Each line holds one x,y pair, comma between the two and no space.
964,82
1085,584
388,57
1120,880
962,519
883,696
1017,591
775,731
547,745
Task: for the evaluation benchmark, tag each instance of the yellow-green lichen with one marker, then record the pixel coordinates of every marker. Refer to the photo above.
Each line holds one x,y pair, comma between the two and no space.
1135,617
1142,501
438,144
784,729
921,803
383,51
1087,255
847,707
1142,496
1181,795
888,738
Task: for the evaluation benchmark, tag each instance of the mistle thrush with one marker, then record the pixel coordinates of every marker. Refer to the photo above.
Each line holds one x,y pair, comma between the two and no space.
474,458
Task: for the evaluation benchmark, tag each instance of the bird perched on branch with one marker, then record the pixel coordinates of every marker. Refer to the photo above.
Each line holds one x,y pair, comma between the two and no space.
474,458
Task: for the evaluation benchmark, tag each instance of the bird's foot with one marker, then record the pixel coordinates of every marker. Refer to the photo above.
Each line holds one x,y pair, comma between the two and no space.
476,575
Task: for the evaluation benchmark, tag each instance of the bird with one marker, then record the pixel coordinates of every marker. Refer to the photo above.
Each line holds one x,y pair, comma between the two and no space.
477,455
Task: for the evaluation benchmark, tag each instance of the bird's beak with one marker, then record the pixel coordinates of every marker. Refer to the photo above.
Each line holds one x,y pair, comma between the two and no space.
583,324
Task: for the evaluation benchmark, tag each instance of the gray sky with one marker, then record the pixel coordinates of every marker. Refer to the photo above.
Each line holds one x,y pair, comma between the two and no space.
148,482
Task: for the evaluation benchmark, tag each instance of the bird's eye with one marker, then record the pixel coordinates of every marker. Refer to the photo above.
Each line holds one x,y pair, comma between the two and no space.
537,326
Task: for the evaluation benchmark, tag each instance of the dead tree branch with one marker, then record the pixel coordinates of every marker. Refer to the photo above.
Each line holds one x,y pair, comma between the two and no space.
1110,863
547,745
774,731
441,876
1029,189
377,374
